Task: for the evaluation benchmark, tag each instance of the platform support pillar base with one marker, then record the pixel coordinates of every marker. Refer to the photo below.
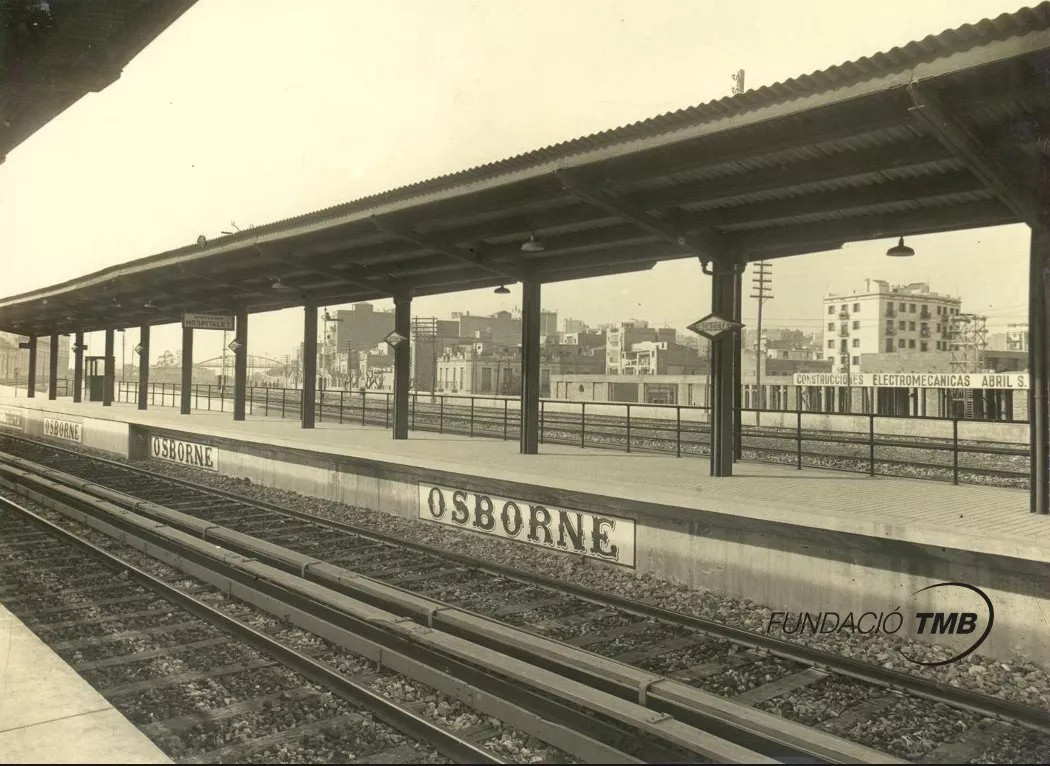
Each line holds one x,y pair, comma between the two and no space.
309,365
402,364
187,370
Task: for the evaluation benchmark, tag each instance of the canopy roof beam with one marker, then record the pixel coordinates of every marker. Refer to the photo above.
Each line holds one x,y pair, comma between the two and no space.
704,244
928,111
440,245
380,285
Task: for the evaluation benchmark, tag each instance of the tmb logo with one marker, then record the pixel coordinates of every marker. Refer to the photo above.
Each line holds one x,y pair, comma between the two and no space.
941,623
962,613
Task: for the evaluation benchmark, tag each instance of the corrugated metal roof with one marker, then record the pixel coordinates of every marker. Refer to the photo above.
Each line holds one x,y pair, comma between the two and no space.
897,59
803,165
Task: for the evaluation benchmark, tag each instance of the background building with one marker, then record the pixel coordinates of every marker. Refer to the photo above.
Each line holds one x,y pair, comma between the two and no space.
1017,337
356,331
14,361
621,338
884,319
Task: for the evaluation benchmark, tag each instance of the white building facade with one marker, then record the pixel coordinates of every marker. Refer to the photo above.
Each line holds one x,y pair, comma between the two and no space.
881,319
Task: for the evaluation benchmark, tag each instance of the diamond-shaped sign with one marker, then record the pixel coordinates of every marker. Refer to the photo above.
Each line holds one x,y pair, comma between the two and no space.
712,326
395,339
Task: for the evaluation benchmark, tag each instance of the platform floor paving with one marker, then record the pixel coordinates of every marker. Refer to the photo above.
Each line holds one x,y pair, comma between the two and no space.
984,519
49,714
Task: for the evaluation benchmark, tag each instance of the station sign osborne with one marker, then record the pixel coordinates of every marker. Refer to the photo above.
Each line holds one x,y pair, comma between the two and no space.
185,453
63,429
11,417
598,536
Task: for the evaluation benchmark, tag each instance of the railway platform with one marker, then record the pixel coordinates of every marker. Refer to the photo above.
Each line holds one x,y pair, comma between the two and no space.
811,540
49,714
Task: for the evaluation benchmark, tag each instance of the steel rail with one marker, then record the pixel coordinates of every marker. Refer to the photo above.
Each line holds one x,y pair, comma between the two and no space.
593,739
730,731
760,732
978,702
448,744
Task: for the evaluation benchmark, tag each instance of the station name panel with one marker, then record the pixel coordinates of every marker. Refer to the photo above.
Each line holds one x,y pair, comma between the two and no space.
598,536
66,430
184,453
11,417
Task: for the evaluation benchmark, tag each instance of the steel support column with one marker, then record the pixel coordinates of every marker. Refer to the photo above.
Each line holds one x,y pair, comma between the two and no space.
78,367
31,376
143,366
240,366
108,371
738,300
402,364
1038,340
309,364
530,367
52,369
722,427
187,370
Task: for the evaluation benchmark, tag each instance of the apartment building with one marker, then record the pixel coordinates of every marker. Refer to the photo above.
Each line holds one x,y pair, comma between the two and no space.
1017,337
885,319
621,338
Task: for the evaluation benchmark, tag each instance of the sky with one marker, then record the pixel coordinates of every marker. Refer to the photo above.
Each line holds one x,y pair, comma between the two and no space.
249,111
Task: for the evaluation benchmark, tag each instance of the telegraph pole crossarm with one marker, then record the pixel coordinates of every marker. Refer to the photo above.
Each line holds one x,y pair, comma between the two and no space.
762,285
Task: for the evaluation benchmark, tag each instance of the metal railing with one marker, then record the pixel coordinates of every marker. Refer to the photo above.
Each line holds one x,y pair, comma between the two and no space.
861,442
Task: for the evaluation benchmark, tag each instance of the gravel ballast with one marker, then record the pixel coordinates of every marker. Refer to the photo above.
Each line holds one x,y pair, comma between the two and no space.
1020,679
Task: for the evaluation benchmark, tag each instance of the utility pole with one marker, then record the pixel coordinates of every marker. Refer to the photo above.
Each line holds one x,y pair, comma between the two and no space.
762,283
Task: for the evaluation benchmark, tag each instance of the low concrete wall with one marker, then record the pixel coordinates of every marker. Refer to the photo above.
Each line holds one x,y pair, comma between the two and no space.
68,430
787,566
969,430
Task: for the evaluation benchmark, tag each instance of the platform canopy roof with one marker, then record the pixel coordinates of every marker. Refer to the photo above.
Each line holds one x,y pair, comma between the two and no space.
946,133
54,52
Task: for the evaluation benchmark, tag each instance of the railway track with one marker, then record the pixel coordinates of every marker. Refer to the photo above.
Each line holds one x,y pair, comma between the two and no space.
697,653
160,655
580,705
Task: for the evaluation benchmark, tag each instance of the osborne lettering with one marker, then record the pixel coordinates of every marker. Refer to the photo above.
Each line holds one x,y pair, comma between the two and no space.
63,429
11,417
187,453
608,538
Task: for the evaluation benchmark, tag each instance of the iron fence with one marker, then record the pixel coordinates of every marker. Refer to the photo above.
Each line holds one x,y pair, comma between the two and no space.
952,449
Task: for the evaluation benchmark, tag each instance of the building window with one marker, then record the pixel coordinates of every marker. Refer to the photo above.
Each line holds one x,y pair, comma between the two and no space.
889,344
831,309
911,308
856,325
903,308
831,344
831,326
911,326
856,342
911,343
856,360
902,324
856,307
924,346
844,307
900,343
